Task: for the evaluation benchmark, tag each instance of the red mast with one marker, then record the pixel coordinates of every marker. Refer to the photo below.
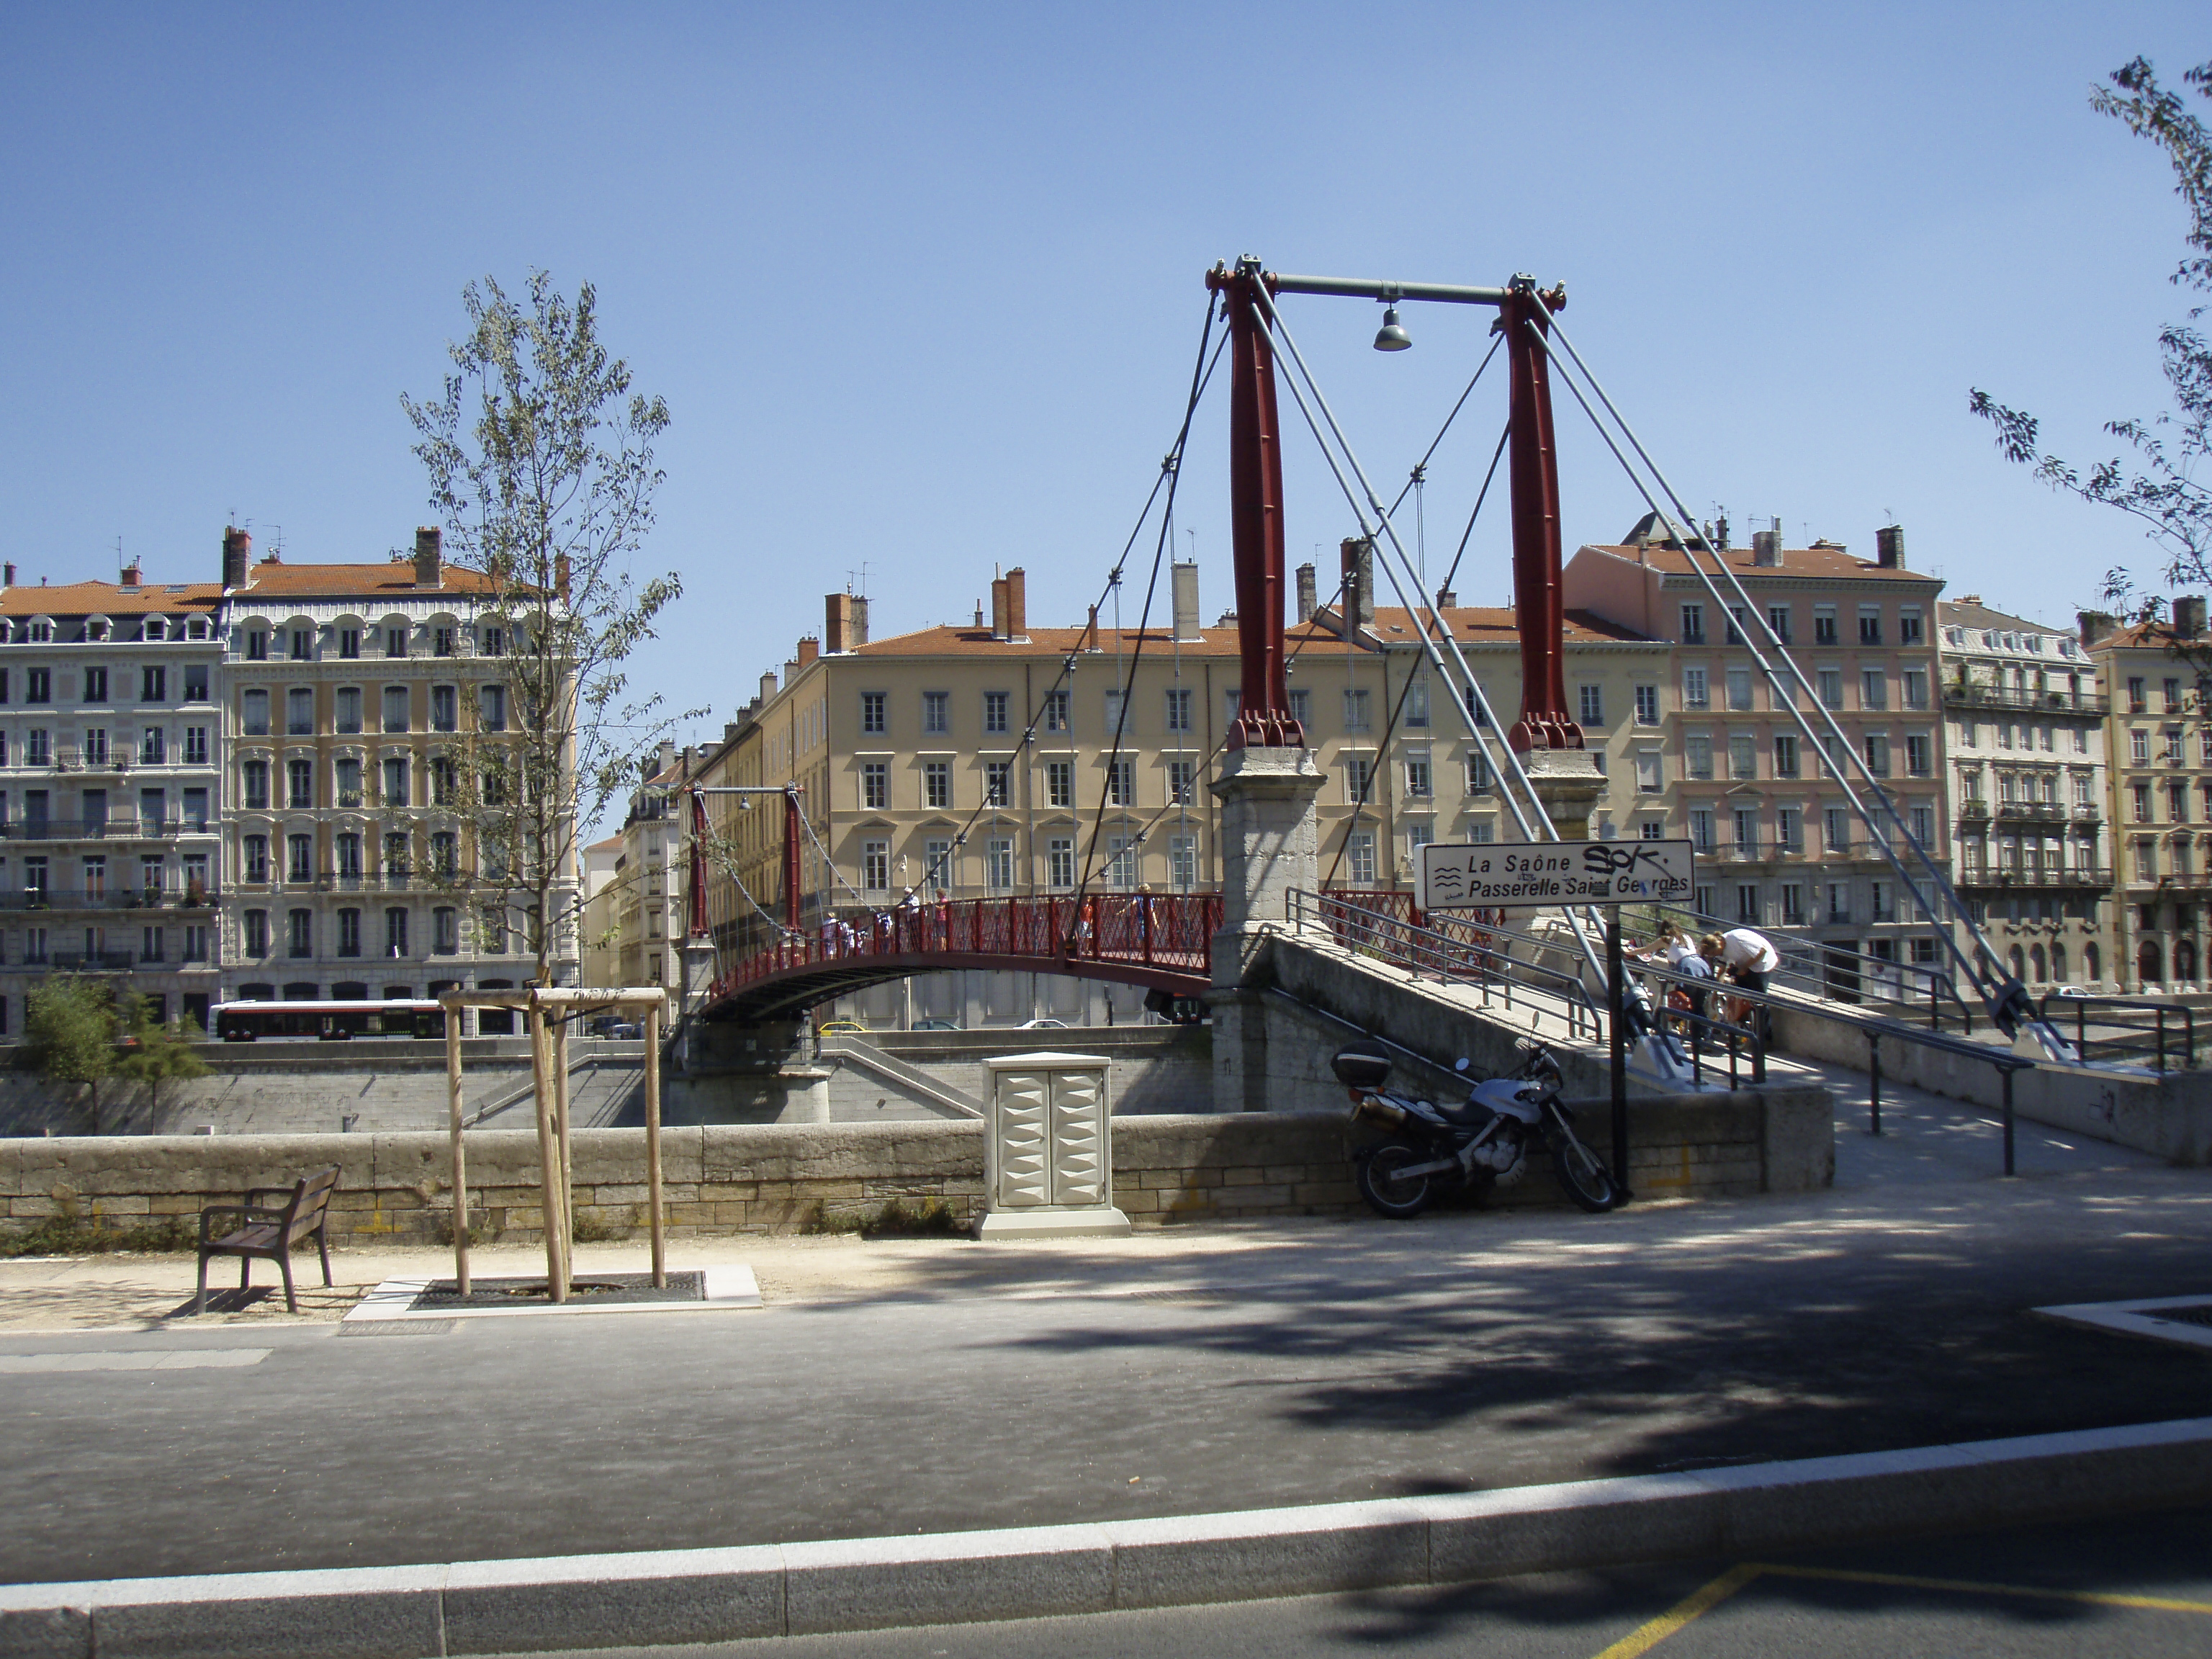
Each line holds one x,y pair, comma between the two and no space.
1539,613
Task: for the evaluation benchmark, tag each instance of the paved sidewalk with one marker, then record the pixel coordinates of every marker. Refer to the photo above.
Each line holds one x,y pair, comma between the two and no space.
936,1385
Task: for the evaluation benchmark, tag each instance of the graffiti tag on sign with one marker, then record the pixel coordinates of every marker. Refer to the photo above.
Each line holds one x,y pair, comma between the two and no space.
1556,872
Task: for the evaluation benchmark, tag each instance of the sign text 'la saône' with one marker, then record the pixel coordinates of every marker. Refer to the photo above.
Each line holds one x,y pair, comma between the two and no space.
1556,872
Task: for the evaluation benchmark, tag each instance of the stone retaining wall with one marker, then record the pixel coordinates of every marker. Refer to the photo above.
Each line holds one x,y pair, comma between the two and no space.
790,1178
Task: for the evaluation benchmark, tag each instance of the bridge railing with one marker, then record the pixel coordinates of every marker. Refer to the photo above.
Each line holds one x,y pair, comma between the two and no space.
1172,932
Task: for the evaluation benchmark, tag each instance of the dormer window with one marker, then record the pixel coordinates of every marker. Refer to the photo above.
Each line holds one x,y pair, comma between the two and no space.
156,628
96,630
257,645
42,633
197,628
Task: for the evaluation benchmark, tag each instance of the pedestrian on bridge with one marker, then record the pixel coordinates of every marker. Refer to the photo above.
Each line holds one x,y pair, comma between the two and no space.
1746,956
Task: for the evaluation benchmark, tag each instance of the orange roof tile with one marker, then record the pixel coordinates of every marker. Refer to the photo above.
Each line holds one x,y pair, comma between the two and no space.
1474,624
2151,636
949,642
1826,562
271,579
108,599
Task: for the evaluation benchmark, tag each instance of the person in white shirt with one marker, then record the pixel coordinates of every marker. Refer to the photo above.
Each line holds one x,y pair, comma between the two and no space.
1746,956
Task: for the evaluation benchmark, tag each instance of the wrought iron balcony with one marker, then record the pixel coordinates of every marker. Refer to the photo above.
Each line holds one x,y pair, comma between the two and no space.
1956,695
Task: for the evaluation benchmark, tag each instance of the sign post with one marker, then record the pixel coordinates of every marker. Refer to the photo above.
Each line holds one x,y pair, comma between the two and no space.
1536,875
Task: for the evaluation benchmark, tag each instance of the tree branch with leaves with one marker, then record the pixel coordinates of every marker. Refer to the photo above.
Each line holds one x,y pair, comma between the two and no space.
540,453
2163,489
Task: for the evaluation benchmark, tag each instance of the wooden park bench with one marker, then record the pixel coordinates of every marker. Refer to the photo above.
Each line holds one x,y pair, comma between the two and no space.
268,1231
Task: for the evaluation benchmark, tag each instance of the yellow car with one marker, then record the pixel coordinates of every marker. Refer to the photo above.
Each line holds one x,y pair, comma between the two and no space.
843,1028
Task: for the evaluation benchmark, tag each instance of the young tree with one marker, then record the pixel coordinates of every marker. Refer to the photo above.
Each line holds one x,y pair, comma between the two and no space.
2162,489
69,1035
541,464
157,1052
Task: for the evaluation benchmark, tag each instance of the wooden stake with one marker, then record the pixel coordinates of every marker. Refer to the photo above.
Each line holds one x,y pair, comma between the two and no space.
549,1162
460,1163
652,1146
567,1163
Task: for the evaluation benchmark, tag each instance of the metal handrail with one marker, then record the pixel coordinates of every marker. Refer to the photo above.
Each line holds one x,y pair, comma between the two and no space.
1467,953
2121,1047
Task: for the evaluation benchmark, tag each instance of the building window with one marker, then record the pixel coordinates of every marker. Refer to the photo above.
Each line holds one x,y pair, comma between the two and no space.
1693,624
349,933
998,863
1479,778
1918,756
998,783
1839,901
257,645
1824,624
1785,754
1696,755
395,709
395,852
936,712
300,783
255,722
445,930
876,866
937,864
154,746
1877,754
395,781
196,684
1777,618
299,858
1359,775
444,853
1355,710
395,642
994,711
1701,828
1060,861
1418,781
1178,708
1741,761
2139,747
873,718
1831,688
1647,705
1182,782
1836,829
1121,783
1417,704
1746,903
395,931
1694,692
256,773
1908,625
1870,624
875,784
1874,689
445,715
349,642
298,934
1916,688
1055,711
348,844
95,685
1183,862
1790,829
257,932
937,783
1301,706
1592,699
2136,703
1739,689
1059,782
36,751
1793,904
1360,857
1746,831
1737,622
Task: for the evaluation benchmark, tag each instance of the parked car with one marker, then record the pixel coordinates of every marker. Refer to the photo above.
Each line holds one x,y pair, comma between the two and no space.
843,1028
936,1025
621,1030
1047,1023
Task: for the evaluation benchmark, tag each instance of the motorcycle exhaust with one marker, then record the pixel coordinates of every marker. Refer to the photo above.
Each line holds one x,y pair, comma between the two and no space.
1382,1109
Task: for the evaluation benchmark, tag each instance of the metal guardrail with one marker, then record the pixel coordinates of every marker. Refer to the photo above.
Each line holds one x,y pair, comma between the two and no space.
1448,947
2141,1029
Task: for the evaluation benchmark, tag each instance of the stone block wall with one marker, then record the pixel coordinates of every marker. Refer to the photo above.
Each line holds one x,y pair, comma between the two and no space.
777,1178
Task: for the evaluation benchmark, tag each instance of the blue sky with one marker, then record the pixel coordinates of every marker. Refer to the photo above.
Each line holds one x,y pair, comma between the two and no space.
922,285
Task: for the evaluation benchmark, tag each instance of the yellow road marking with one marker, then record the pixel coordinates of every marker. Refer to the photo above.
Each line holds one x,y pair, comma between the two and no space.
1692,1606
2099,1598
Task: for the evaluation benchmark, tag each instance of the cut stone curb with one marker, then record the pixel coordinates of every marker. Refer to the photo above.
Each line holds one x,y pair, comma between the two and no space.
672,1596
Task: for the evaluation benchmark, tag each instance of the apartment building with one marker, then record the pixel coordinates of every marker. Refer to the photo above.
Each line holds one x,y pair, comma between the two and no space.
648,891
1779,845
110,791
1435,782
2024,718
599,947
2158,760
363,704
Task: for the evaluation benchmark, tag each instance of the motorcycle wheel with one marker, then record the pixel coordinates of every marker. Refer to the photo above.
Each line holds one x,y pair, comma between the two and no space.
1386,1192
1584,1176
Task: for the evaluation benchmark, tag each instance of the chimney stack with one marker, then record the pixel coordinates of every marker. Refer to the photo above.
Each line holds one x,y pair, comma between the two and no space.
131,574
237,549
1766,547
1721,533
2189,615
1185,579
809,649
7,576
859,619
1090,633
729,732
1446,599
1307,600
1357,604
427,543
2093,624
999,604
768,687
837,623
1889,547
1018,603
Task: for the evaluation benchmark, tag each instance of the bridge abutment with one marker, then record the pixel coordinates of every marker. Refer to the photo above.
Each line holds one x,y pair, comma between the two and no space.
1270,847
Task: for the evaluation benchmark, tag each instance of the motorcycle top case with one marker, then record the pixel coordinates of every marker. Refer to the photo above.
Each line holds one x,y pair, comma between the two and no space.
1362,1066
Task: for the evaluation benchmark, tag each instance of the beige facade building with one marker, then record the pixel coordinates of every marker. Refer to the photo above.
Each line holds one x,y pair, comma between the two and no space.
2024,725
600,943
1728,765
646,896
360,701
2158,759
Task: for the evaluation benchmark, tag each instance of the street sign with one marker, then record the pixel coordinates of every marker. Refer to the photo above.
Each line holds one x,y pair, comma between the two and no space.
1525,874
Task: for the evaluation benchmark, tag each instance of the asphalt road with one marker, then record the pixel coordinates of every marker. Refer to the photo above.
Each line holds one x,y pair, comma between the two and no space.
1334,1361
2036,1593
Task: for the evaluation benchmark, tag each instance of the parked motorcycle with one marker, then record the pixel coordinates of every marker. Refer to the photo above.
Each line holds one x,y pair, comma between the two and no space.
1433,1147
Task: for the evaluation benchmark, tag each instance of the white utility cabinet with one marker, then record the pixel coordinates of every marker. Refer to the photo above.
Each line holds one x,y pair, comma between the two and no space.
1048,1149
